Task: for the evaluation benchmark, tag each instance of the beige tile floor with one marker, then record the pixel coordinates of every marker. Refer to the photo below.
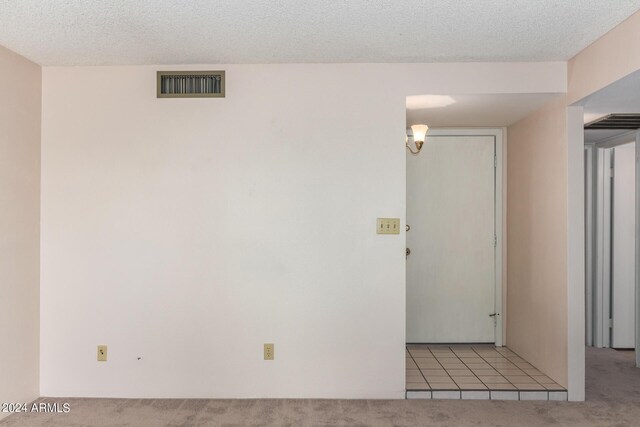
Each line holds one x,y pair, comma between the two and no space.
472,368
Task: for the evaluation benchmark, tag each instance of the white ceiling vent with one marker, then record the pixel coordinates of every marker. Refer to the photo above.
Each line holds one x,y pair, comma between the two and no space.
190,84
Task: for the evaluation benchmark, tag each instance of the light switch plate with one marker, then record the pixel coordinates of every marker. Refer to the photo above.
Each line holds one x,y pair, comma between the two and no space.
388,226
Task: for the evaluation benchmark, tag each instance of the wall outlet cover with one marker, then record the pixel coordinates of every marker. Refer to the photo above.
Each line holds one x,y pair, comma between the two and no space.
102,353
269,352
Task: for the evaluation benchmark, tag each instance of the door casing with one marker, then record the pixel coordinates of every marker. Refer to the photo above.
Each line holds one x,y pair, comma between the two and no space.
499,135
598,243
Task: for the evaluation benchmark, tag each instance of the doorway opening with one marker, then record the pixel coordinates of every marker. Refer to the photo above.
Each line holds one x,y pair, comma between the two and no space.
612,212
456,299
610,209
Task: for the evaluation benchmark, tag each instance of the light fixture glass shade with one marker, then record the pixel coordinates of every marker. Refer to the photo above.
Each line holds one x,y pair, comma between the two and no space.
419,132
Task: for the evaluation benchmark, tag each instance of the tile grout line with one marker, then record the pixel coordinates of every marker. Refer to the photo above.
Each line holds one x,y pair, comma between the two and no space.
474,374
514,386
535,382
524,374
423,376
531,376
445,371
543,374
419,370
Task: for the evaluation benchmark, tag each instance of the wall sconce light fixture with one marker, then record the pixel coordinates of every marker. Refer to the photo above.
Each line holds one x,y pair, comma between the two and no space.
419,135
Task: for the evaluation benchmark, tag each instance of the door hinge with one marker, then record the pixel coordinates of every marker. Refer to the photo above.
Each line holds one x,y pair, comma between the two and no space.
611,323
495,240
495,161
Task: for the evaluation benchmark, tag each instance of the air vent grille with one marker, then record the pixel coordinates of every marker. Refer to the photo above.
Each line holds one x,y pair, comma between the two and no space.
190,84
616,121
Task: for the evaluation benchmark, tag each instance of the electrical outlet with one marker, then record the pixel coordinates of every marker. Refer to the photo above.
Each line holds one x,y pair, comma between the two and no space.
102,353
269,352
388,226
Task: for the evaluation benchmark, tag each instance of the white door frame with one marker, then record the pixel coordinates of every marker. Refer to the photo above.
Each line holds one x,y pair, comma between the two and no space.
598,239
589,235
637,248
499,209
602,282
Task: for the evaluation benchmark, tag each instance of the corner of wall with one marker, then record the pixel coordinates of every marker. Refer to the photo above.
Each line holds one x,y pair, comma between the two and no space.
20,150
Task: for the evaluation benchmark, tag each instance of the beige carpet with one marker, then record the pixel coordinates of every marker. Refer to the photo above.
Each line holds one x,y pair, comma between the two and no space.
613,398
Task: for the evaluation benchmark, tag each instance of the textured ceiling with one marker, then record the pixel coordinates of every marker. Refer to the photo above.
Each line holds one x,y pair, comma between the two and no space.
91,32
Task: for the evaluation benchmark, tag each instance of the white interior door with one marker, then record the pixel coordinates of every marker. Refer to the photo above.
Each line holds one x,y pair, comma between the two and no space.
451,268
623,247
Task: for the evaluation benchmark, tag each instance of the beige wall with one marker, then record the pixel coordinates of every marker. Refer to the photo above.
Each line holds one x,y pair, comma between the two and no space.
19,227
537,239
192,231
611,57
